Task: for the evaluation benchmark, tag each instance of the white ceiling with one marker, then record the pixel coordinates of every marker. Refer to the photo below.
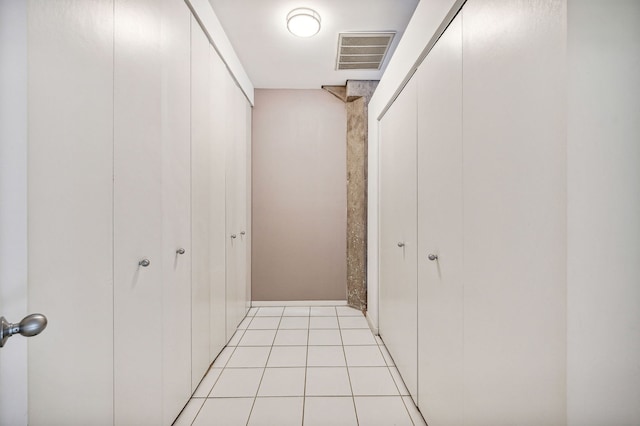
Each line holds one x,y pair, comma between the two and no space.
275,59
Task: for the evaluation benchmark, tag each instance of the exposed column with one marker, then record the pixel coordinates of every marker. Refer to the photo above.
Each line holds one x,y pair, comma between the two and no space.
356,95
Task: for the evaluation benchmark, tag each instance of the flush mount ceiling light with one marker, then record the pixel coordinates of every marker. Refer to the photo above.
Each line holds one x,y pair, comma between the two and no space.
303,22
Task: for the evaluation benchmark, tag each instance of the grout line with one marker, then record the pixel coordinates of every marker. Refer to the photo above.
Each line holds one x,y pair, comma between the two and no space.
214,383
263,372
220,375
389,370
394,381
346,362
407,408
306,368
220,368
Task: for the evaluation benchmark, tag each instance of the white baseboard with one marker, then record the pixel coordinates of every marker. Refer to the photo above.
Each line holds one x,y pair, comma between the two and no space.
258,303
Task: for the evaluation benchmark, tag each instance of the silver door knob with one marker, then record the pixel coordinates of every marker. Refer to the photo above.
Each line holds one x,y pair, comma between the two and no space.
180,251
29,326
242,233
233,236
400,244
144,263
433,257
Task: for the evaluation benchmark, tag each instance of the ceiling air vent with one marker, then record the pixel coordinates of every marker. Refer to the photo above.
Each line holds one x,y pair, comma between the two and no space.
363,51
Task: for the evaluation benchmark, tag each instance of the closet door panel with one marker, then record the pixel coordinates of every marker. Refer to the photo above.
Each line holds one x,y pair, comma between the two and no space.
200,198
217,206
137,213
398,242
240,123
514,212
176,207
440,287
70,216
232,214
247,196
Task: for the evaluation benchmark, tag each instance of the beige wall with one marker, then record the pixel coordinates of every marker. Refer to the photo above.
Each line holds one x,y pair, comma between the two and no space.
299,196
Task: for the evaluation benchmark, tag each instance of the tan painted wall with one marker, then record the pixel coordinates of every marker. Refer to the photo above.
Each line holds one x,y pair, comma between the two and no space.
299,196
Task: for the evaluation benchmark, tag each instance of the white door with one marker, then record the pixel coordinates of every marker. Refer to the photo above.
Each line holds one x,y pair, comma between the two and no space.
232,215
217,204
201,145
247,198
70,230
398,242
176,207
240,123
515,165
440,289
137,214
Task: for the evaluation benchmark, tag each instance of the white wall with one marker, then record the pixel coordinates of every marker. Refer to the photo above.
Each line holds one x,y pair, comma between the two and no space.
603,312
419,37
13,206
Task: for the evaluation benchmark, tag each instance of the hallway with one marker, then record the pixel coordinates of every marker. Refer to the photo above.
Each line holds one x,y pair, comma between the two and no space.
191,194
317,365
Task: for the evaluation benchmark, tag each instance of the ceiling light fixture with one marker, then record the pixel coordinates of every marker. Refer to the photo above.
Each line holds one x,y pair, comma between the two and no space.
303,22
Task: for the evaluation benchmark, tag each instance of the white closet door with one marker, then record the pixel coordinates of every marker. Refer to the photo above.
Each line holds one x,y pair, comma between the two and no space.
514,87
247,201
217,208
201,143
176,208
137,213
232,215
240,123
440,287
70,223
398,242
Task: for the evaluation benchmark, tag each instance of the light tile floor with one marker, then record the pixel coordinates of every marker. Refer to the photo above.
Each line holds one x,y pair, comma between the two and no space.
307,366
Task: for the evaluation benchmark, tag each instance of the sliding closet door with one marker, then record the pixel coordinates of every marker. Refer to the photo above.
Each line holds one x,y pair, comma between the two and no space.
240,136
398,242
514,212
217,209
201,145
247,110
137,213
440,287
176,208
70,223
230,218
236,198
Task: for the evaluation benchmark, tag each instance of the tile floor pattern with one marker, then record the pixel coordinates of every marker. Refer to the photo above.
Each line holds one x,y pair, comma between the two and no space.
302,366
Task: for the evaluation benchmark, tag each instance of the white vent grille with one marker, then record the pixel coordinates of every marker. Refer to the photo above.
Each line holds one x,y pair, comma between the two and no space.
363,51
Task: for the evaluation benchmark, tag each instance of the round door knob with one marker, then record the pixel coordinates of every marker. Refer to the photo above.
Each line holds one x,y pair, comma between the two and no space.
233,236
242,233
400,244
30,325
180,251
433,257
144,263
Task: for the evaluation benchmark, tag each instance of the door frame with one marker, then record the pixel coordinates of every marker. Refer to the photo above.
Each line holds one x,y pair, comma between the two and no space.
13,207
